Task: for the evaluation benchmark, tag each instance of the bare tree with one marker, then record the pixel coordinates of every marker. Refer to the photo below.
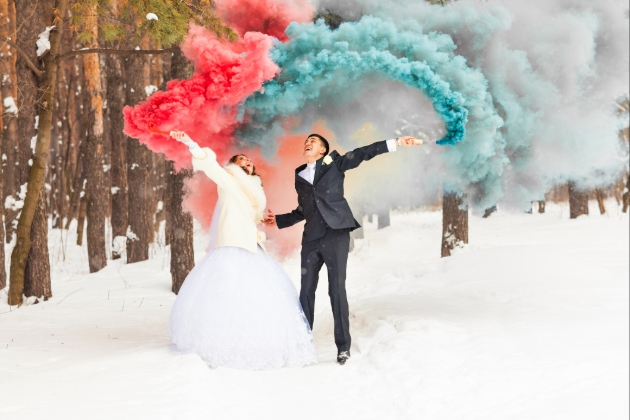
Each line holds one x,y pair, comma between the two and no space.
578,201
599,195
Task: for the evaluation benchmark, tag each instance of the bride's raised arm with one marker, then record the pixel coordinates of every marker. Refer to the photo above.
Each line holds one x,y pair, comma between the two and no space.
204,159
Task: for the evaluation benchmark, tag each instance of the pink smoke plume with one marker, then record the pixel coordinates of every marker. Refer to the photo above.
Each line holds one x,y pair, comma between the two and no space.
278,177
270,17
206,105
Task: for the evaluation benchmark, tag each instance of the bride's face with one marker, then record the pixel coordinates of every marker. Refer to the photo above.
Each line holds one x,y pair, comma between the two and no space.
244,162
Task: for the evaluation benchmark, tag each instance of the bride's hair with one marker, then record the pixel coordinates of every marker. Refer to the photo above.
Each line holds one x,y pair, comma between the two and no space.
233,160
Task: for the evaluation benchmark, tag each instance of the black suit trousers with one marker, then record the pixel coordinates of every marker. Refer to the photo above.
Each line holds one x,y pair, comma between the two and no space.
332,250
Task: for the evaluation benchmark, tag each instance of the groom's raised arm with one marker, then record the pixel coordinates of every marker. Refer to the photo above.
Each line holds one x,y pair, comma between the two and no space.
289,219
357,156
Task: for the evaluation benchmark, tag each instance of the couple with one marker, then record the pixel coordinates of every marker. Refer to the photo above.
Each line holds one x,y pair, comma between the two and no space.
237,307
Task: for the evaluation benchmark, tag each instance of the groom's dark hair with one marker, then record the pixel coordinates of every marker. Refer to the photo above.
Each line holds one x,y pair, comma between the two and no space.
323,140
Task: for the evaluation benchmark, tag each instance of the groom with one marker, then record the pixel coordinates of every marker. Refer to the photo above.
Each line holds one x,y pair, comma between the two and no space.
329,221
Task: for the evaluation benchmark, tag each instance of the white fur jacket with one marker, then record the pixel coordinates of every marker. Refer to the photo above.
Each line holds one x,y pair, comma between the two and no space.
242,200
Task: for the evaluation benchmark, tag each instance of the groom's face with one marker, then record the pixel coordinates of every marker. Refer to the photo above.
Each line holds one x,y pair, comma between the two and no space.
313,149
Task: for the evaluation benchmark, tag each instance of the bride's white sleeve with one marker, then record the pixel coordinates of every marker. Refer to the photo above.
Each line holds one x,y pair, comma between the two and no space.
204,159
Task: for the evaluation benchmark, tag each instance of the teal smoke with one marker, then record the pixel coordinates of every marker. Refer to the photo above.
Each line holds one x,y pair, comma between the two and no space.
334,67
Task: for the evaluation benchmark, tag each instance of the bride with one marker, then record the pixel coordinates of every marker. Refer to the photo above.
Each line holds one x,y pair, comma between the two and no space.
237,307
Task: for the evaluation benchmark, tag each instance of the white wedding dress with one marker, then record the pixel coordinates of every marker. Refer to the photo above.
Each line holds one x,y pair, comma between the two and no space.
239,309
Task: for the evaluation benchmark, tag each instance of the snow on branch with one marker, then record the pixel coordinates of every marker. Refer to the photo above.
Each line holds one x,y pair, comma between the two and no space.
43,41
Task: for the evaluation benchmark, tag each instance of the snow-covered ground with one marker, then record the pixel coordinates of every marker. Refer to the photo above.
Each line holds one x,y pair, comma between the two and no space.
528,322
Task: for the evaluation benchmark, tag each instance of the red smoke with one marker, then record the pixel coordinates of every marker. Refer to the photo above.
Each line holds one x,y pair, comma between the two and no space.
206,108
270,17
206,105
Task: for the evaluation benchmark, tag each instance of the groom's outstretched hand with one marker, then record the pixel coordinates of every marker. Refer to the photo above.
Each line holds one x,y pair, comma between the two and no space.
410,141
269,218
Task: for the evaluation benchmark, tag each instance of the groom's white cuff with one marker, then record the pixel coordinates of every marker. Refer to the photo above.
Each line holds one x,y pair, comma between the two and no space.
391,145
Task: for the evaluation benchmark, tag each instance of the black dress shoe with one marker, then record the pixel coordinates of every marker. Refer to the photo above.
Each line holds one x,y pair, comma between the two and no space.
342,357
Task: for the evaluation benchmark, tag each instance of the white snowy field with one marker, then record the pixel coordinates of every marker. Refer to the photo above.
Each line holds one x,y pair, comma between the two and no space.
530,321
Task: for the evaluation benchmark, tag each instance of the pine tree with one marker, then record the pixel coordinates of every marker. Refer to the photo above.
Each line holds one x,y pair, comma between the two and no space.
115,91
180,224
43,101
8,79
97,193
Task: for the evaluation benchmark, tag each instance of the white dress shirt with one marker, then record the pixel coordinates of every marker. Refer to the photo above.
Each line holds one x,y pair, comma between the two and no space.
308,173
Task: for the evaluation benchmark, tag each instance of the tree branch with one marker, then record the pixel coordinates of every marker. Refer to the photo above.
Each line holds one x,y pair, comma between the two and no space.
113,51
28,61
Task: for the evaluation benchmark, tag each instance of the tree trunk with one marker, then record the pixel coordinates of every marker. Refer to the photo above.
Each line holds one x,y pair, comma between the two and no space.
351,247
3,270
383,218
97,206
181,231
454,223
115,93
489,211
541,206
180,224
60,182
42,145
360,233
77,163
137,170
578,201
8,76
626,196
599,194
81,219
37,270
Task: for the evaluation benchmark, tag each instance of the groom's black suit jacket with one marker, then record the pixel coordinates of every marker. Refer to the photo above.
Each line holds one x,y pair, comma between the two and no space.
323,204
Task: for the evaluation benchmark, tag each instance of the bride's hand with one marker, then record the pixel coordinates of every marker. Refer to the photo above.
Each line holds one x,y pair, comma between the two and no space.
269,218
180,136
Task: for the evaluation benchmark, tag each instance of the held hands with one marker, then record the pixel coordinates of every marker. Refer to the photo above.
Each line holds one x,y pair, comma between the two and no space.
269,219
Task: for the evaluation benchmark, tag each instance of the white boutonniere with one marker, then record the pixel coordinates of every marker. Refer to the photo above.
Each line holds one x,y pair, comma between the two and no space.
327,160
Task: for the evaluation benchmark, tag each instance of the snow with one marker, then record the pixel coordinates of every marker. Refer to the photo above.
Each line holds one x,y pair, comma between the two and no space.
43,41
131,235
152,16
150,89
9,104
119,244
529,321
